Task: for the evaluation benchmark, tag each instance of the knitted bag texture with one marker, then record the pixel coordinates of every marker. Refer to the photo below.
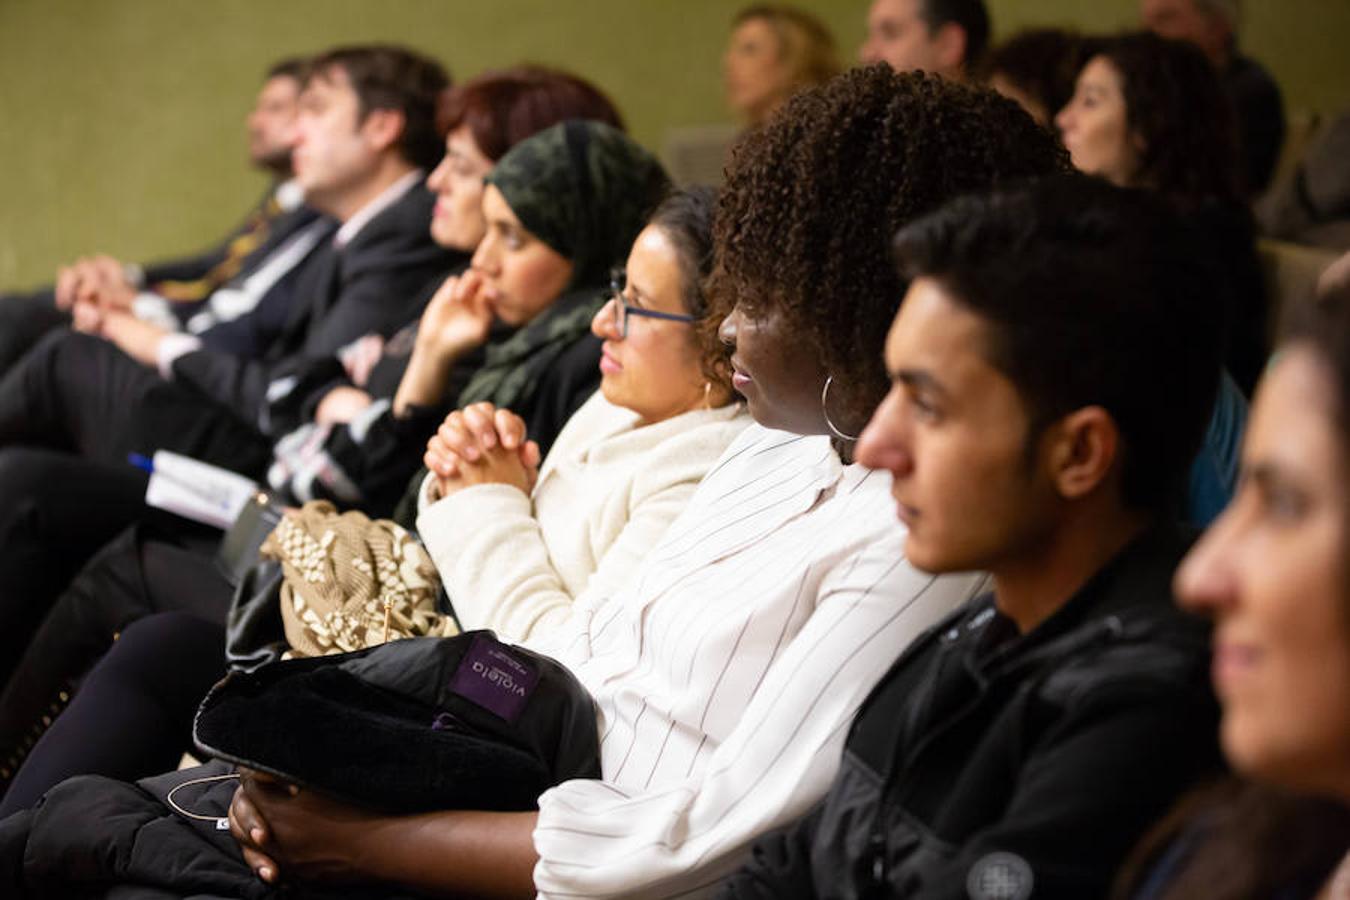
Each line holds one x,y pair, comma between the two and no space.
352,582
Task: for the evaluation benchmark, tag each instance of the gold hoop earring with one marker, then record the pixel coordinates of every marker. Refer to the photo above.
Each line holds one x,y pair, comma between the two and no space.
707,395
825,411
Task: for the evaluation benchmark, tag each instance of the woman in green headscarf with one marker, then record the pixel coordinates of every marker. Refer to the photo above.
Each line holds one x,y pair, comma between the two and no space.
562,208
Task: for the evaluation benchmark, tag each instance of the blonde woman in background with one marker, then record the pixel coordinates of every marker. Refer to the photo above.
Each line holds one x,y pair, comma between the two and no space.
774,51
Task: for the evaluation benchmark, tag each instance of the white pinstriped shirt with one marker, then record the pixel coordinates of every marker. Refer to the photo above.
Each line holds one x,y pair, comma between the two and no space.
727,671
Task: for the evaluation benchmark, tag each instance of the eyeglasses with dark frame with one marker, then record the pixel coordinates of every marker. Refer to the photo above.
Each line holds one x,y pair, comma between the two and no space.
618,280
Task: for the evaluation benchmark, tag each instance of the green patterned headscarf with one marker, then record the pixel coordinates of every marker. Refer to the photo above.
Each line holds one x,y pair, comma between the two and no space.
583,188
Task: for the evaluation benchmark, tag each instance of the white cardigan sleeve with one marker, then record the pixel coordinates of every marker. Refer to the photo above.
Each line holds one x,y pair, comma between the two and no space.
497,562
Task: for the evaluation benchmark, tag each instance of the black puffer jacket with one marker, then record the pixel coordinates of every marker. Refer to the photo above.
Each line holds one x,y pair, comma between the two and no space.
997,767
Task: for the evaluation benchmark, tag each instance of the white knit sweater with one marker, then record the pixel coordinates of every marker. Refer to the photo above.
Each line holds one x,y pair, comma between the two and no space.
607,491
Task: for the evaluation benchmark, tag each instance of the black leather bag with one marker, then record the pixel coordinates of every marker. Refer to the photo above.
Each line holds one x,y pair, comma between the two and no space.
254,633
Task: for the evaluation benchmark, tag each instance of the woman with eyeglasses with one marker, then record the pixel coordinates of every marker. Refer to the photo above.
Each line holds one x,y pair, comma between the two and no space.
515,542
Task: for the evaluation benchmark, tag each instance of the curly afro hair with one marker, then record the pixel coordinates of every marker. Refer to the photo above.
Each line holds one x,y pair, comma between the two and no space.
813,199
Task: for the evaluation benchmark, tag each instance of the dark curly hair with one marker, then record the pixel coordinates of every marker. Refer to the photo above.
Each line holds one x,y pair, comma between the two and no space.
812,200
1177,107
686,217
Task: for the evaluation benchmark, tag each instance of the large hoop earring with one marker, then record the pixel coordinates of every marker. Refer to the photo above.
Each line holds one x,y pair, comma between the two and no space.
825,411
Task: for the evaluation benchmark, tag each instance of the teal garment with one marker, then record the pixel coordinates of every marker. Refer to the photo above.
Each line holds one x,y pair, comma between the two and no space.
1214,473
583,188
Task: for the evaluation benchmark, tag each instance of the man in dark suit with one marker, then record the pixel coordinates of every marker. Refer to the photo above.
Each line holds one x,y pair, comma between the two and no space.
364,136
75,408
182,293
946,37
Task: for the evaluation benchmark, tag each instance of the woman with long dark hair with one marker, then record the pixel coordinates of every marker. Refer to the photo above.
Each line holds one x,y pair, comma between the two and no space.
1149,113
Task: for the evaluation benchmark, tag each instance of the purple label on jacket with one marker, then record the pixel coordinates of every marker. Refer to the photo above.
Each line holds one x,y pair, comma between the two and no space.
494,678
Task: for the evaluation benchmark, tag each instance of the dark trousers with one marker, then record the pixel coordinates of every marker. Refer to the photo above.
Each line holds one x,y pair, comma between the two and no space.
56,510
80,406
139,574
82,394
133,714
24,319
70,413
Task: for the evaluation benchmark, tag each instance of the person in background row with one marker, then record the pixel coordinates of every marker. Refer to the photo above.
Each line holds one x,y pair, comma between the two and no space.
1212,25
1272,575
945,37
349,434
1147,112
1037,68
223,282
1052,367
774,51
1313,205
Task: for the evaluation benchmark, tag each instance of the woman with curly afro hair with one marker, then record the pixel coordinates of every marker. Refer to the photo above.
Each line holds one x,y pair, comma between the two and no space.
804,276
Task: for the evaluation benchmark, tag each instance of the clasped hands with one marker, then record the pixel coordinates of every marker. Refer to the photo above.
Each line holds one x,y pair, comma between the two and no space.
91,287
481,444
316,838
98,296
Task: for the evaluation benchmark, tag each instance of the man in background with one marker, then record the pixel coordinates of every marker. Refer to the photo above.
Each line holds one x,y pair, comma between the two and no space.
172,292
1212,26
946,37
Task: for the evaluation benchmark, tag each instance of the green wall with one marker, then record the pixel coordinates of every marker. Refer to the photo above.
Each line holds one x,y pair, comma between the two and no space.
122,118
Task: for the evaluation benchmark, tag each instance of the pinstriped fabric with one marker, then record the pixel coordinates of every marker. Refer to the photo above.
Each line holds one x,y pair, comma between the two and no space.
727,671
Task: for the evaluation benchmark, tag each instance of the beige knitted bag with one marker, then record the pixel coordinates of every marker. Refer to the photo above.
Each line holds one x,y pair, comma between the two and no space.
351,582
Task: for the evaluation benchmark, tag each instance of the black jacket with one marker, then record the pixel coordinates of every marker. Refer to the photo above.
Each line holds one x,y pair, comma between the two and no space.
988,765
279,229
370,285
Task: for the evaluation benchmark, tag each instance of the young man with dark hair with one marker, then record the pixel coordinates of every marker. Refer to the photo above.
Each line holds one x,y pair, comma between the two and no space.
946,37
1053,364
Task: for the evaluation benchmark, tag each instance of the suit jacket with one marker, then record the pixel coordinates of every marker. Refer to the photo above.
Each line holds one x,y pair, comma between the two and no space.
24,318
339,294
191,268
